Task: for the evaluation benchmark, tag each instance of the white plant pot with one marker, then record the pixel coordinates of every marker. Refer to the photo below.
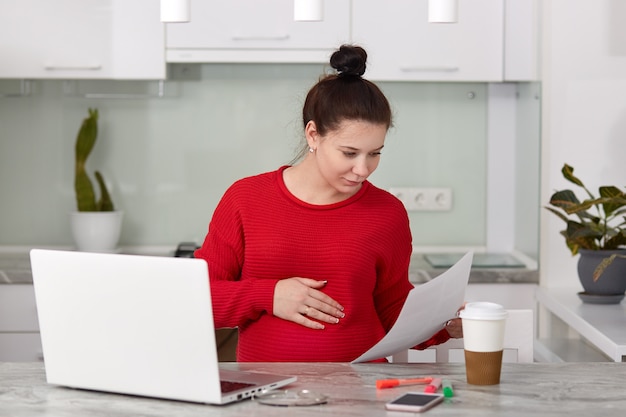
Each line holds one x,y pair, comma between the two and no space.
96,231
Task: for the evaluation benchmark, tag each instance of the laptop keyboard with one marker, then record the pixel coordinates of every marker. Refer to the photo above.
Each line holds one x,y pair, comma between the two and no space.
229,386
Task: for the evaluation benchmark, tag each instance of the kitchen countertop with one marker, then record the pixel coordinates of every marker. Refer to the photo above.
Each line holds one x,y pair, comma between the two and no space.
15,264
15,269
420,271
526,389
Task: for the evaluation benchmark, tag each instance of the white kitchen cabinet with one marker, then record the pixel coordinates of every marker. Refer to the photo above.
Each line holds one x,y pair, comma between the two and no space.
81,39
403,46
256,31
19,327
521,40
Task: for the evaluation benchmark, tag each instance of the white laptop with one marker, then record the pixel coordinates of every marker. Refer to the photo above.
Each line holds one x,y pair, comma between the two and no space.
139,325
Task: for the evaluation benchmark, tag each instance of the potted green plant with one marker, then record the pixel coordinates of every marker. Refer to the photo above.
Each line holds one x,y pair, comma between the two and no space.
96,225
595,229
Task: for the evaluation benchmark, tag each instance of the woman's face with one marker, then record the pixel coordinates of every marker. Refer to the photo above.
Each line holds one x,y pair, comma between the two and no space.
348,155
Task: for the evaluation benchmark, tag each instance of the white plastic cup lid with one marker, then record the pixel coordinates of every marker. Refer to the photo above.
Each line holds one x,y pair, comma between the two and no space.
483,310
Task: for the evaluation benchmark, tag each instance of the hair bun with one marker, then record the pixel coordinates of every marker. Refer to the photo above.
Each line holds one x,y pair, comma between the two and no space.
349,60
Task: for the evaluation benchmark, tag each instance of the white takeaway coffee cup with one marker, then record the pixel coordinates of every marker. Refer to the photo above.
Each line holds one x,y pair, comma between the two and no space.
483,341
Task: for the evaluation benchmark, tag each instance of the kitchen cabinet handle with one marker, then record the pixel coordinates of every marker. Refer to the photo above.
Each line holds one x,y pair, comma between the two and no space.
442,68
240,38
52,67
69,91
24,92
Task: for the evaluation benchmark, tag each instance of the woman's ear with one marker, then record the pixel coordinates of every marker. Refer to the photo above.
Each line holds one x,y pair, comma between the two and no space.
311,134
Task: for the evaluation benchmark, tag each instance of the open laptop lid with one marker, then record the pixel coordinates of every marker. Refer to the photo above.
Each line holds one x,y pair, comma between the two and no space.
140,325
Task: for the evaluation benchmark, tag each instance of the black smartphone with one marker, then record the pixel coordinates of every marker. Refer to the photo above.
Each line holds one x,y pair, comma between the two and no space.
415,402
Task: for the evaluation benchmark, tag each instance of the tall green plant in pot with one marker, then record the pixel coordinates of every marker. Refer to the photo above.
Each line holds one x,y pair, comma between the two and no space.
596,230
96,225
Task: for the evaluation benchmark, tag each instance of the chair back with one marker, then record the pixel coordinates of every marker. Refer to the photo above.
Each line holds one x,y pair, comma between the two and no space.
519,337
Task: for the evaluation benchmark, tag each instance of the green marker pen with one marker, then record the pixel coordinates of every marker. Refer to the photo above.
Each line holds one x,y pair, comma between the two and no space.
447,388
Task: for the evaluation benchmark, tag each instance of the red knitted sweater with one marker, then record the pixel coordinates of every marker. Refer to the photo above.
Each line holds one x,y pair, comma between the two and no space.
260,233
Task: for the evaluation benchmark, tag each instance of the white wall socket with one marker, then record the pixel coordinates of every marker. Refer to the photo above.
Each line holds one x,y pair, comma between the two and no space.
424,199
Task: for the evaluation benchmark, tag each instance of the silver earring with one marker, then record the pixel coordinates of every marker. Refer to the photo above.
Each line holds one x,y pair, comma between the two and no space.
311,150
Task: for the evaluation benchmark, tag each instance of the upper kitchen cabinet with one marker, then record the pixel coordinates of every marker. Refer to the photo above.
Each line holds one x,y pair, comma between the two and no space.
521,40
403,46
81,39
256,31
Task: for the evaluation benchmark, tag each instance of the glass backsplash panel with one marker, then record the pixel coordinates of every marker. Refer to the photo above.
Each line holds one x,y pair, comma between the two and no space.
169,159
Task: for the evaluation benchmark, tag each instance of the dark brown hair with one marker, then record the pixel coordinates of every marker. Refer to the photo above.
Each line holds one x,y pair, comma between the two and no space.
346,95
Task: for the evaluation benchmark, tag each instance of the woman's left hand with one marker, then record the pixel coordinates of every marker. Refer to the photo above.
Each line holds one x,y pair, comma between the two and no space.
454,326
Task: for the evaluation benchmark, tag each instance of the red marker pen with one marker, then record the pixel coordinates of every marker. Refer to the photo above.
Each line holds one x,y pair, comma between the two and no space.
433,386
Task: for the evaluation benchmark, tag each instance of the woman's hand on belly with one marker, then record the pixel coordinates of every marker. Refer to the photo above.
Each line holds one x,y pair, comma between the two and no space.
300,300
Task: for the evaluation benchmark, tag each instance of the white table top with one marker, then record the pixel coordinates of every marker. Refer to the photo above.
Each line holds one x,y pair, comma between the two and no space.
526,389
604,325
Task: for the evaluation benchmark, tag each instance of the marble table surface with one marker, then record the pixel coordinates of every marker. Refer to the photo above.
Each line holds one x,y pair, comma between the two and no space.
539,389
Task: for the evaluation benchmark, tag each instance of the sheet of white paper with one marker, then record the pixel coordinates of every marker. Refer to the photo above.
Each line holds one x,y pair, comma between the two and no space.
425,311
